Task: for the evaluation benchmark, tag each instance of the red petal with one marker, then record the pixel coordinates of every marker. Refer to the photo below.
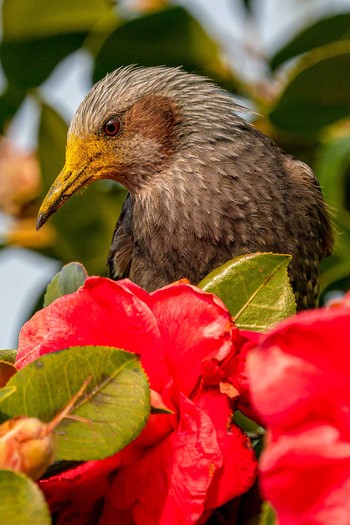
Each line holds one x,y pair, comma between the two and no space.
101,312
234,371
135,290
315,336
168,485
299,379
158,425
313,465
239,467
297,365
194,326
75,496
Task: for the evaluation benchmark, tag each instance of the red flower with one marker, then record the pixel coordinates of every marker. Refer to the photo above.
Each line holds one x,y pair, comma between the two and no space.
299,380
182,465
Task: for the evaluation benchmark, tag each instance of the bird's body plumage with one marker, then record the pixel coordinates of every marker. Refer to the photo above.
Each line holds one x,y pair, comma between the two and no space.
204,185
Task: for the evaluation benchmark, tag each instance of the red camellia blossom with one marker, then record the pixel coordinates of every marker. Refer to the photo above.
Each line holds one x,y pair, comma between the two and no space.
184,464
299,380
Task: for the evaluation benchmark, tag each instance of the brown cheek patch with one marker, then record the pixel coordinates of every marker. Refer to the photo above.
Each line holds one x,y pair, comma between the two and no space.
154,117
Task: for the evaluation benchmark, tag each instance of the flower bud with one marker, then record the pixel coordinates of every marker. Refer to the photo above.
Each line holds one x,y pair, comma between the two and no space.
26,445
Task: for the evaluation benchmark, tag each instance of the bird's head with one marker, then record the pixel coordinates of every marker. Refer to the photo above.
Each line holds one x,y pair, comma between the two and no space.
130,125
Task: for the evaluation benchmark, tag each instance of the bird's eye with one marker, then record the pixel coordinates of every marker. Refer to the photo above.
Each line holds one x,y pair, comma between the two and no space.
112,127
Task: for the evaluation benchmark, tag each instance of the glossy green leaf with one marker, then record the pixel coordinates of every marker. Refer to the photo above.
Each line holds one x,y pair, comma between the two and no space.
255,289
323,32
30,50
21,500
68,280
317,93
268,515
248,425
84,225
170,37
112,410
6,391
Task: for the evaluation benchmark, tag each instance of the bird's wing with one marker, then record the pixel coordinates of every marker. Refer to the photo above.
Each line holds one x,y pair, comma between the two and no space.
302,174
120,253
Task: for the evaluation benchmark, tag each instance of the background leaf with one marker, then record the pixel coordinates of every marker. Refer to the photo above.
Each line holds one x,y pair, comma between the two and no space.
308,103
247,4
52,143
333,168
68,280
255,288
21,501
171,37
115,405
27,64
30,51
47,18
324,31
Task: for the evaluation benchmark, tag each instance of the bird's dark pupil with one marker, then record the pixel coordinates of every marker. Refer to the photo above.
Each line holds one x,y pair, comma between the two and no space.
112,127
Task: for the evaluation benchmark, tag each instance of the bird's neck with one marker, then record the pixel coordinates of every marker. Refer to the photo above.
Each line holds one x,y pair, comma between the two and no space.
178,200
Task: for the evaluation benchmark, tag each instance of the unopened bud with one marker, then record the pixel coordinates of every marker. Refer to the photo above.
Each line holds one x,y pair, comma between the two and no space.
27,445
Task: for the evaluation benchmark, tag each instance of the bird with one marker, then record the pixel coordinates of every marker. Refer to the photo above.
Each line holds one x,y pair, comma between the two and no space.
203,184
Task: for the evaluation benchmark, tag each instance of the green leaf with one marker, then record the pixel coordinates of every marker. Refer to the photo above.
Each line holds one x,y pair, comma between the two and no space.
247,4
52,144
247,425
323,32
317,93
30,51
332,163
170,37
157,410
268,515
21,500
51,18
7,391
111,412
27,64
8,355
255,289
68,280
332,168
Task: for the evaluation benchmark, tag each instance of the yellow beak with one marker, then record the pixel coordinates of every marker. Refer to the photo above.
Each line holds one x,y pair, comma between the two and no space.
67,183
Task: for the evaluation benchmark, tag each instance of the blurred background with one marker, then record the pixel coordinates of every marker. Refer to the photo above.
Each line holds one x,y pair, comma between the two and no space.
287,61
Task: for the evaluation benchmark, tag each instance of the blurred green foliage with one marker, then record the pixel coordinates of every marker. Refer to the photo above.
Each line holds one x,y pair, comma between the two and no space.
303,103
